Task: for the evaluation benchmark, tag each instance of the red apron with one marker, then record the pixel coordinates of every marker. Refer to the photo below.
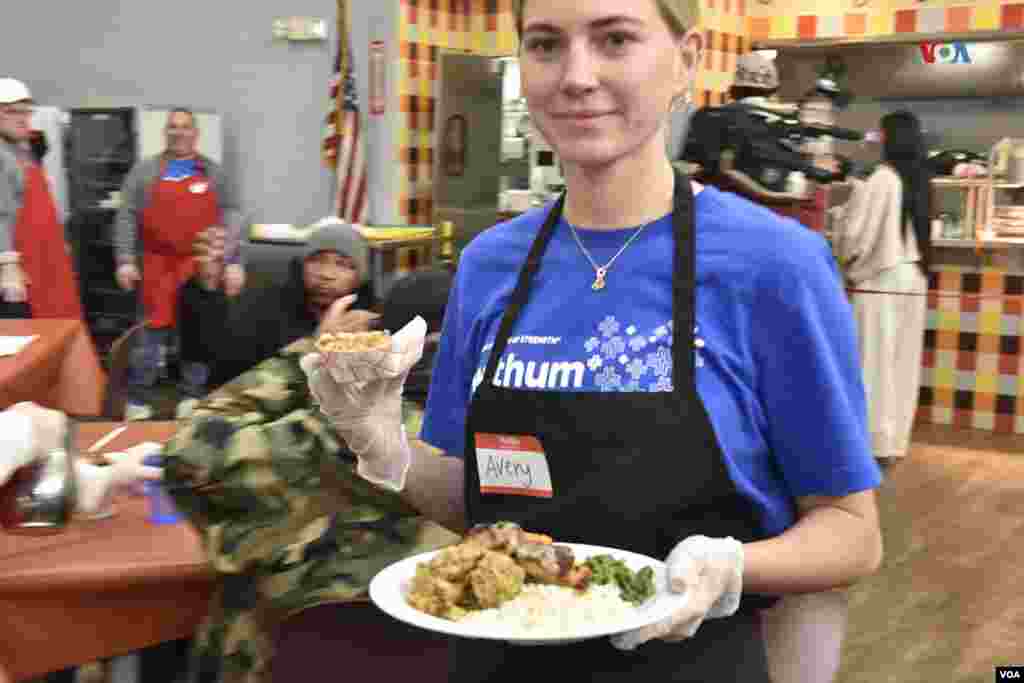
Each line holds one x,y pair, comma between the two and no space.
39,236
178,210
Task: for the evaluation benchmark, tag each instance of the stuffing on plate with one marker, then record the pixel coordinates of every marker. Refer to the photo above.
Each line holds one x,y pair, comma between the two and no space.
493,563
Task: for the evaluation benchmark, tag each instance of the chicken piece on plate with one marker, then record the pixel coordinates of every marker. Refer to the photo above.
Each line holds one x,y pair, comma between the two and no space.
432,594
552,564
502,536
496,579
456,561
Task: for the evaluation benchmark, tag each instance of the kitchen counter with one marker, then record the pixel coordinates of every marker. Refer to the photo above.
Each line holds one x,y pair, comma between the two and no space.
973,376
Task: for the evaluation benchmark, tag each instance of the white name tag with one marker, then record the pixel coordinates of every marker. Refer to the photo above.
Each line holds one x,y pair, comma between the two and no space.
512,465
198,188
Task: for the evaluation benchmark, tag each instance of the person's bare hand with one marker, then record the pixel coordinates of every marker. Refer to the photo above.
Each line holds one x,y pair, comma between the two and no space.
340,318
234,279
208,248
13,283
128,276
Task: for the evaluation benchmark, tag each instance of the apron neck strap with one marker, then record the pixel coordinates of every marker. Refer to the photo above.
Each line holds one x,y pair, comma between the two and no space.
683,284
521,294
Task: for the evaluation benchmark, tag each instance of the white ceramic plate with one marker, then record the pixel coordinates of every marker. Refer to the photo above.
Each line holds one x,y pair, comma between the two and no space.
390,586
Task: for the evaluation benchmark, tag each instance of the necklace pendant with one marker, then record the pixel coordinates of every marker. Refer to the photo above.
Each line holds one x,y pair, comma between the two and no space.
599,280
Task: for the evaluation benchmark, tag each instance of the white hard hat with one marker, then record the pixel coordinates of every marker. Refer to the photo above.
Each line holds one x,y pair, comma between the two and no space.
13,90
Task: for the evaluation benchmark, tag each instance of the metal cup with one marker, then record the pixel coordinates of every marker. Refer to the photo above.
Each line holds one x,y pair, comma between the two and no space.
40,497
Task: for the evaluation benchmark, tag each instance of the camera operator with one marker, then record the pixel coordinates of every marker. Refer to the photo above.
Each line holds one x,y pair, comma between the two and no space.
748,147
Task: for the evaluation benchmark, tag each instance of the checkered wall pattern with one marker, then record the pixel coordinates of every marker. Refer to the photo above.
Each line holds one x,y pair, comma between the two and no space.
425,28
487,27
972,351
802,19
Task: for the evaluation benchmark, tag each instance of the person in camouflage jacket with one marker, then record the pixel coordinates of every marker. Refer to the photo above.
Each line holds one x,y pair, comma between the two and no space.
285,521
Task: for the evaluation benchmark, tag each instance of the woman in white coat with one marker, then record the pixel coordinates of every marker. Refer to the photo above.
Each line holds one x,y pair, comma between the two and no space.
883,243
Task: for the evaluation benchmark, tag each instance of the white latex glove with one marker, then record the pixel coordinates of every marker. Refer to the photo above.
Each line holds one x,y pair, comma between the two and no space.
96,483
127,276
13,283
234,279
710,572
28,431
361,393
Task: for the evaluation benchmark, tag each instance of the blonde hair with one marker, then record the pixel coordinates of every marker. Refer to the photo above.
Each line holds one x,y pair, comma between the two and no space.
680,15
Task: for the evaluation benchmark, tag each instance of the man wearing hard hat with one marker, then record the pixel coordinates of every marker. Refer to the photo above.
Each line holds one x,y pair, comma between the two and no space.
36,275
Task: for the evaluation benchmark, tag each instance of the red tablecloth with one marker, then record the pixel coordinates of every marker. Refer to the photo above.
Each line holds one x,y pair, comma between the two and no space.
59,370
100,588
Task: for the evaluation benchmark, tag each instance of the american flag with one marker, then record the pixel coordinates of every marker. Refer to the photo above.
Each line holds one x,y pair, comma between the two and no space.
344,147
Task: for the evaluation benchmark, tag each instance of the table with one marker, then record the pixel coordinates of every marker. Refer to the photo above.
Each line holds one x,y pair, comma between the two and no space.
59,370
100,588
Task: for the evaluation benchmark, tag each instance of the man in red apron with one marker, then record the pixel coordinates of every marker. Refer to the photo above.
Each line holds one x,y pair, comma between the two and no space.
37,278
167,201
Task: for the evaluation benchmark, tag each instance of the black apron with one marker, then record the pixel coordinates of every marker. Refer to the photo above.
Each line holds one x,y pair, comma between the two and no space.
637,471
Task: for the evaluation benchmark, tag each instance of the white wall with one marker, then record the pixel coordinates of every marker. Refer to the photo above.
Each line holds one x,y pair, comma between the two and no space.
203,54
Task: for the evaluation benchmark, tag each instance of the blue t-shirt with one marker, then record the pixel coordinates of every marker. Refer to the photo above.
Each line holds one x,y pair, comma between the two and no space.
179,169
776,350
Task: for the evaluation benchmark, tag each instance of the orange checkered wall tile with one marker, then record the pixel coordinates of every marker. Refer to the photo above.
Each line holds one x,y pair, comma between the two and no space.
487,27
973,364
810,19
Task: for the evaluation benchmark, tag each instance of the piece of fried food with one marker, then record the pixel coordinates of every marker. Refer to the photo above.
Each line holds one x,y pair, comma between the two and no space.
456,561
431,594
496,579
350,342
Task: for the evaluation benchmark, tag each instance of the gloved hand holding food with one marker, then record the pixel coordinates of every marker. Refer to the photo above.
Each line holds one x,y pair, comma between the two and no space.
710,571
97,482
357,378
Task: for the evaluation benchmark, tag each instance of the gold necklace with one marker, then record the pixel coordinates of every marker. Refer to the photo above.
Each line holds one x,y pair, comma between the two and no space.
601,272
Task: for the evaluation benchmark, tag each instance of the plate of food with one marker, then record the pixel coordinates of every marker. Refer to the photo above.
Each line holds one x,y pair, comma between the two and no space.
504,583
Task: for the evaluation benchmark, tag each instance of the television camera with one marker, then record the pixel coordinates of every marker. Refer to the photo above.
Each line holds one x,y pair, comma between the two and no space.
770,148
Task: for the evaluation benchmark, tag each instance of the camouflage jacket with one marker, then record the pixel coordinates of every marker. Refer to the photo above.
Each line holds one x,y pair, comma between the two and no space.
284,519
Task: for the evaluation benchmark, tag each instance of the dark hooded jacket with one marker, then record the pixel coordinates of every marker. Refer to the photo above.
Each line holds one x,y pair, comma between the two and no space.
233,335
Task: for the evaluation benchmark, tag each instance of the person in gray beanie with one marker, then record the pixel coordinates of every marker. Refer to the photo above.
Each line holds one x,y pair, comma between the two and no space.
231,335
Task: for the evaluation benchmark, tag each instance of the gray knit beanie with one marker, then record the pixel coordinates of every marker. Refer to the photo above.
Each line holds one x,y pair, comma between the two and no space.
334,234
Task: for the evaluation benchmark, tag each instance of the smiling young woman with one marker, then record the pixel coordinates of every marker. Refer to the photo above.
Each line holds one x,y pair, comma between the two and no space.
716,415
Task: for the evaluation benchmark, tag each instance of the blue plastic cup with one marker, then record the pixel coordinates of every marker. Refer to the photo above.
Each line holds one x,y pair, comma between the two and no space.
161,507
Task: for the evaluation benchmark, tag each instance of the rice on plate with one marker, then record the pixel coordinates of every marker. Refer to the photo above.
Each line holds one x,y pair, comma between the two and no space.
547,611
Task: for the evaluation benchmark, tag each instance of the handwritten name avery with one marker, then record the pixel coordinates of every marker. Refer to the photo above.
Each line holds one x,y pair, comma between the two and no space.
501,469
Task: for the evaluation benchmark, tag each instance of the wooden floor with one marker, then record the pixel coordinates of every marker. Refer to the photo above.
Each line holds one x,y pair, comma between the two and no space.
948,603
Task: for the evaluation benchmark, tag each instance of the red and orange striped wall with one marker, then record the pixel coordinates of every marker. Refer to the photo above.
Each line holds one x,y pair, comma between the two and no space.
807,20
